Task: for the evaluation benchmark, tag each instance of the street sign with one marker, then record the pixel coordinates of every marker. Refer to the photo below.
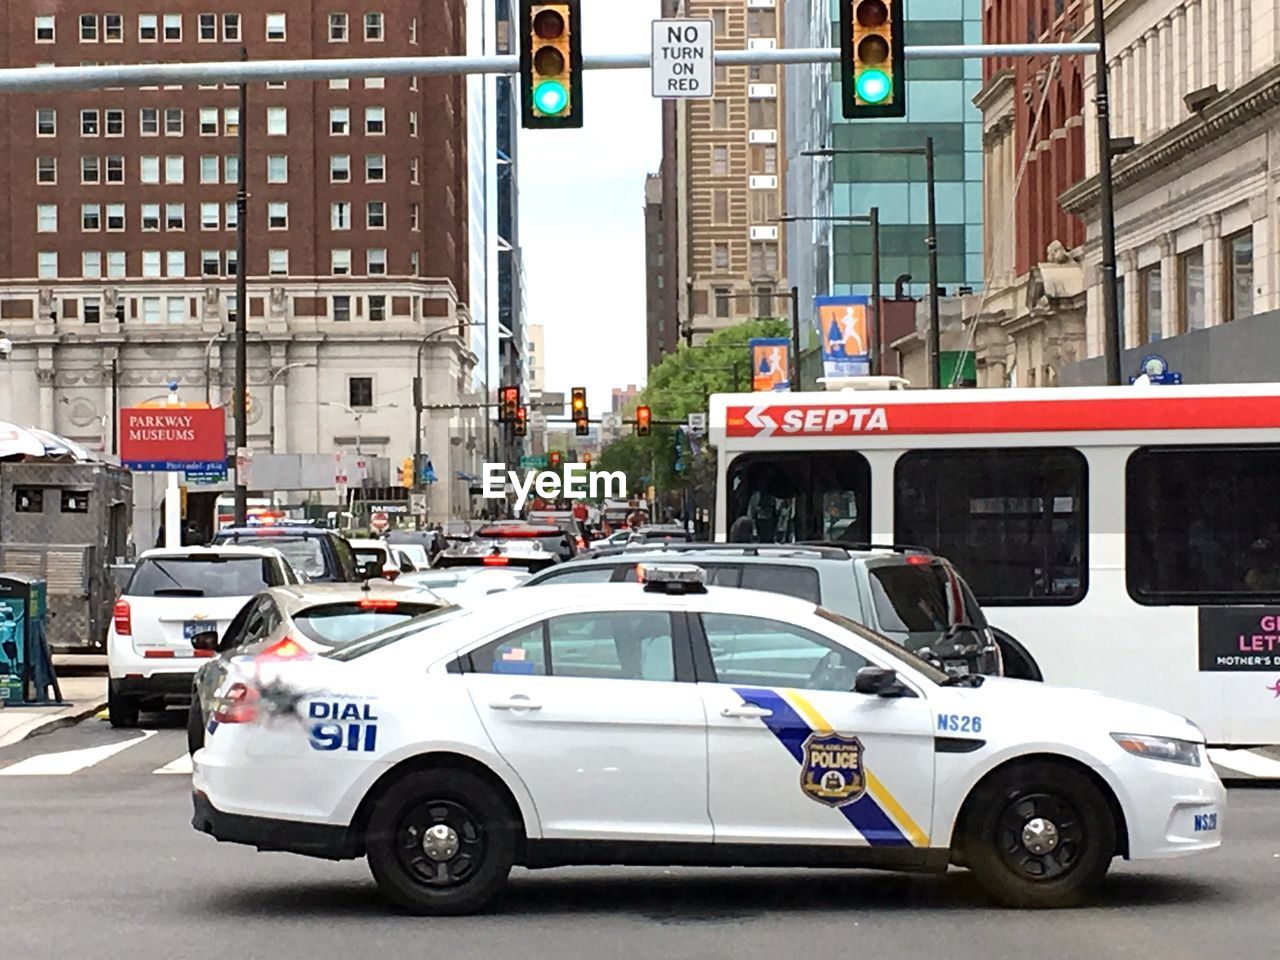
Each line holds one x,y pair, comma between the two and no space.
683,59
698,422
537,419
379,522
534,463
418,504
611,421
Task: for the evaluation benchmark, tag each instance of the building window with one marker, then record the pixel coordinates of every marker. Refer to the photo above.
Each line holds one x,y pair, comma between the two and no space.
764,258
92,309
115,217
1150,313
278,262
764,301
414,214
375,168
342,309
150,217
175,309
764,206
113,121
150,309
724,302
232,301
339,121
413,262
764,160
275,27
46,122
90,170
376,262
149,169
231,169
340,262
277,121
337,28
47,265
208,169
46,170
231,214
1014,520
148,28
339,83
47,218
720,206
763,73
377,307
340,215
374,83
340,168
413,169
1238,250
720,161
45,29
1191,290
413,123
762,114
376,215
719,114
174,168
210,263
172,122
115,169
172,27
230,26
175,263
360,391
88,123
149,122
175,216
232,262
278,169
113,27
115,265
278,215
720,256
373,26
210,216
208,121
375,121
90,217
208,27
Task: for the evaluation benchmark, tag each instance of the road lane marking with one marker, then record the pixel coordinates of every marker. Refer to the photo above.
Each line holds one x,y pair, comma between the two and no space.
182,766
70,761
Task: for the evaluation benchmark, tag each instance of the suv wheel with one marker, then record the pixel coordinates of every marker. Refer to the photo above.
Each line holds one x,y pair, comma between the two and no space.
122,710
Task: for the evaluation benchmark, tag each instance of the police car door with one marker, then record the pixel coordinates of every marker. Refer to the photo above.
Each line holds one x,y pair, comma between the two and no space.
794,756
607,733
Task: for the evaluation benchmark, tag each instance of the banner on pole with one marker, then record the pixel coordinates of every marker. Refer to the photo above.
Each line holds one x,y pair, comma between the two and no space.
770,363
843,328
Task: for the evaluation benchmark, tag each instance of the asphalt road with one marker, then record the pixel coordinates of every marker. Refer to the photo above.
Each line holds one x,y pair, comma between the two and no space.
103,862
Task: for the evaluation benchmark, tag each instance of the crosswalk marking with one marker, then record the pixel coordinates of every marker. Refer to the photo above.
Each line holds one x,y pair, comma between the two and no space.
181,765
70,761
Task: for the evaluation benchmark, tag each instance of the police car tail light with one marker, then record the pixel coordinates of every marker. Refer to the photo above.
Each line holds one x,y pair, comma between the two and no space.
495,560
672,578
378,604
238,705
123,618
919,559
286,649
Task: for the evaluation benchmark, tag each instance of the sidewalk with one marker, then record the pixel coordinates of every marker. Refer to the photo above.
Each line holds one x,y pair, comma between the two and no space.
84,687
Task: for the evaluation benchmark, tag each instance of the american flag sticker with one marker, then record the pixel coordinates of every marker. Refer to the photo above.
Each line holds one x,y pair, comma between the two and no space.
513,653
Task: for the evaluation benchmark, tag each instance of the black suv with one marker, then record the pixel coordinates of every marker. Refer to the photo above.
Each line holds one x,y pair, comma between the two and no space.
316,553
908,594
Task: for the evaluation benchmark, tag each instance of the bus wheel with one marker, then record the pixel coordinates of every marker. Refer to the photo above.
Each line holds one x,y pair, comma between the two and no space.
1039,835
1018,663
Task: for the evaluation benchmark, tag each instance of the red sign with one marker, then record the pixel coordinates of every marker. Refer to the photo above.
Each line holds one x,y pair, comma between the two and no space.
1003,416
379,522
173,438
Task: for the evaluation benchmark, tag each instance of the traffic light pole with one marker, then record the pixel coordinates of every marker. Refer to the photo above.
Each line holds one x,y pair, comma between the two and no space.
1113,339
241,404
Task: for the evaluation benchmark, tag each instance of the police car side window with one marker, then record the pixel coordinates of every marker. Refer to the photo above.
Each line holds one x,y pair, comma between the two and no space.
588,575
635,645
759,652
521,652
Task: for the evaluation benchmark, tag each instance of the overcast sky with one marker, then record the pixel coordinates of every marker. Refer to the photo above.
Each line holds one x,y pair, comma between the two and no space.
582,215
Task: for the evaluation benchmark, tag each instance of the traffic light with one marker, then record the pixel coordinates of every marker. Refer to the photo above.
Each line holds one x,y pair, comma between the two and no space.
406,473
643,420
553,458
522,422
586,458
508,404
581,420
551,64
873,58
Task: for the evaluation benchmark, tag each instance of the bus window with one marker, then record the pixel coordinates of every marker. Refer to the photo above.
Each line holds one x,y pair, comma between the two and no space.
786,497
1013,521
1202,525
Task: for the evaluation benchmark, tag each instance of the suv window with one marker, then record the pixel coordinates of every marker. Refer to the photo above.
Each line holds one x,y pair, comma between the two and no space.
585,575
202,576
754,651
918,598
794,581
347,569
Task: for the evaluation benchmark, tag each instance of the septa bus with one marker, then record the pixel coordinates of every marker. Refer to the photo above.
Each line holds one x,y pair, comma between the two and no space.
1127,538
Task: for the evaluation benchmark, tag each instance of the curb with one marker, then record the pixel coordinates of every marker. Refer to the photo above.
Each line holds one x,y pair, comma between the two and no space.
59,723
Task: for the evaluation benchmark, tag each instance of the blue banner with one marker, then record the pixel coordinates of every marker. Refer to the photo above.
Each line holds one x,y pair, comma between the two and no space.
844,331
770,363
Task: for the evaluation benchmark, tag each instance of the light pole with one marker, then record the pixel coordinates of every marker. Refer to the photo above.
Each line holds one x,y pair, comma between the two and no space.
275,375
242,299
1113,341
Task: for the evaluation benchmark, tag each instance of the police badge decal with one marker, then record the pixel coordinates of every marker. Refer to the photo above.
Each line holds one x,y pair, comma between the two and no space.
832,770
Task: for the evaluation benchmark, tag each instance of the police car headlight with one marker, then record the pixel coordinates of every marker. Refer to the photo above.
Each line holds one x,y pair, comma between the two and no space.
1160,748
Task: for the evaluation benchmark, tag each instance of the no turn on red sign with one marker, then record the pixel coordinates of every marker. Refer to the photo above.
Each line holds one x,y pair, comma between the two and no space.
683,65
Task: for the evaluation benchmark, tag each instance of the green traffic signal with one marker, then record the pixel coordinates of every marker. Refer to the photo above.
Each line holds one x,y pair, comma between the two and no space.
873,86
550,97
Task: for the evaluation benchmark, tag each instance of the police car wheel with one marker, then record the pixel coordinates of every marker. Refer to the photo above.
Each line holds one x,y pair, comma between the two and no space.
1039,835
121,710
440,842
195,726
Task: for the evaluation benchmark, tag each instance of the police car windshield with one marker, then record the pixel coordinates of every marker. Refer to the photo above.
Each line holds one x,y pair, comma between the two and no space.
411,628
928,670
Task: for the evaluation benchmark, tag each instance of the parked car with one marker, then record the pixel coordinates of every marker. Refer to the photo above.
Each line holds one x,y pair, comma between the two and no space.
421,545
173,596
317,553
310,618
909,595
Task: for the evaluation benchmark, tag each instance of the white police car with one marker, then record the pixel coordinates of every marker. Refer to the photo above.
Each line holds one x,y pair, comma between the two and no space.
669,724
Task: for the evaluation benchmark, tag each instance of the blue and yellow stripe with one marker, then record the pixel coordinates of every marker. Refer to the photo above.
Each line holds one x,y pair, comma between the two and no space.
877,814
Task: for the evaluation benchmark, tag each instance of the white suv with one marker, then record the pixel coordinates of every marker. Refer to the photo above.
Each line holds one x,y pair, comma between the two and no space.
172,597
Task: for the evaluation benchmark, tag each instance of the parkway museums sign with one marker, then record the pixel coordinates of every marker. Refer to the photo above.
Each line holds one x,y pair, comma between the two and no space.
683,59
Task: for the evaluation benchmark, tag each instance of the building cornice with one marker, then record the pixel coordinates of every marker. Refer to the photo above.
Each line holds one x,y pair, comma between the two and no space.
1225,116
1000,84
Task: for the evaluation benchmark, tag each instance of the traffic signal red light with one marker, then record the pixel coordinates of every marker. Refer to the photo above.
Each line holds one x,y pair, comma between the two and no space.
551,63
586,458
553,458
872,58
508,403
643,419
522,422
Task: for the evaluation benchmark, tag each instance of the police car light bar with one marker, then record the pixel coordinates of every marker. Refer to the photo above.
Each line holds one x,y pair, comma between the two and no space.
672,578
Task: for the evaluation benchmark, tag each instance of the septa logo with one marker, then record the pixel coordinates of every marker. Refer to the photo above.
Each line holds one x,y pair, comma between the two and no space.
1275,688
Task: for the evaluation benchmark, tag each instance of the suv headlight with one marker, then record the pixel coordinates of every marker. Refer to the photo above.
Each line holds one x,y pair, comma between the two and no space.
1160,748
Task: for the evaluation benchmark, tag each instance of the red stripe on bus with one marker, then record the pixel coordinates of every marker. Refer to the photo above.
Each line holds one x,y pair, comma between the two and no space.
1022,416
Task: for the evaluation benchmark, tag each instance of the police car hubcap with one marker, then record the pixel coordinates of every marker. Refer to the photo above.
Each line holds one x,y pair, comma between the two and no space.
440,842
1040,836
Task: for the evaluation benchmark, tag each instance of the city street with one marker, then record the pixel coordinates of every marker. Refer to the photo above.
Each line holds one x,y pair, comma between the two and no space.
103,861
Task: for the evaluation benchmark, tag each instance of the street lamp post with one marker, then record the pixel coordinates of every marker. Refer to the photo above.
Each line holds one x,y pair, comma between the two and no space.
275,375
1113,342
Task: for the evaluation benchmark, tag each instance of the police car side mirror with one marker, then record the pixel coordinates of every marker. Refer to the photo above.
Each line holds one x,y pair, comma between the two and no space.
205,641
878,682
